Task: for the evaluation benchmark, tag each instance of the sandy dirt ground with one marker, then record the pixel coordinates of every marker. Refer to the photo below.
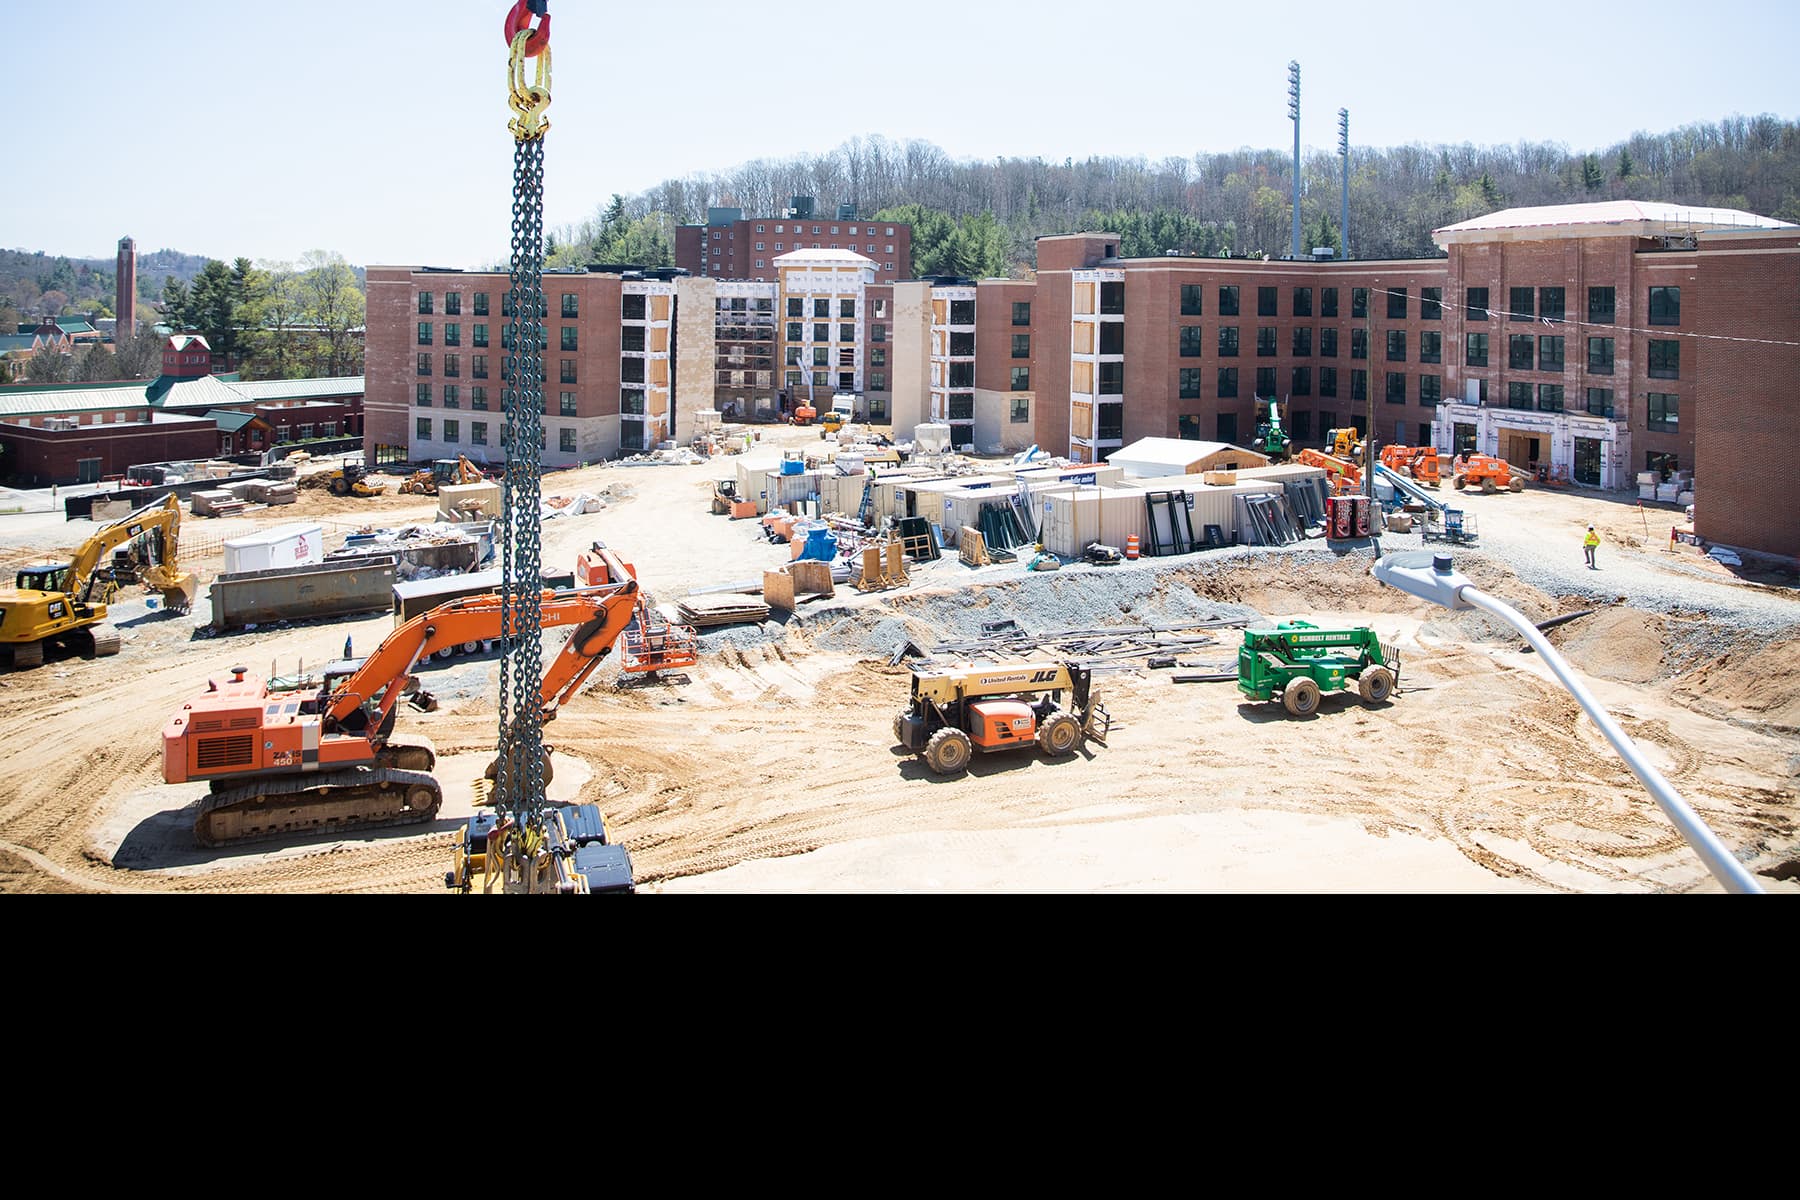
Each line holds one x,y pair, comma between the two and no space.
771,765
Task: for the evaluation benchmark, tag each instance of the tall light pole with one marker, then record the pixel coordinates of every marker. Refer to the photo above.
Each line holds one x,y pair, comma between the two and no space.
1344,153
1294,116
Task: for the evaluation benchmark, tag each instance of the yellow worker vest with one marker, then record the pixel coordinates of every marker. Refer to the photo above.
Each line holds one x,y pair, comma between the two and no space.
1592,539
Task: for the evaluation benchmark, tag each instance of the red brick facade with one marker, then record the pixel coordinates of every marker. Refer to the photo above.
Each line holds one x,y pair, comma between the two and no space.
39,457
731,251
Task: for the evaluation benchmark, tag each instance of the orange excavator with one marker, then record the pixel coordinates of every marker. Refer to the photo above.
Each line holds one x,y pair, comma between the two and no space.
299,755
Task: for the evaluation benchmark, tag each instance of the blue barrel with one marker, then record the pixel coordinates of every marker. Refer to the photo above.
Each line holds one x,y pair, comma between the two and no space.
791,466
821,544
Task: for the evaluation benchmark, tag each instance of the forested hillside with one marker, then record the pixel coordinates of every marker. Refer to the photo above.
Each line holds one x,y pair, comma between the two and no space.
981,218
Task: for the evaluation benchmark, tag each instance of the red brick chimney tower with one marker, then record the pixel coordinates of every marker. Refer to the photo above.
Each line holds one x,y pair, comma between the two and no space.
125,293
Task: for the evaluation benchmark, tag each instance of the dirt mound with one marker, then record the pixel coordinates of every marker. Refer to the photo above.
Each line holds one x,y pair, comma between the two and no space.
1757,685
1621,643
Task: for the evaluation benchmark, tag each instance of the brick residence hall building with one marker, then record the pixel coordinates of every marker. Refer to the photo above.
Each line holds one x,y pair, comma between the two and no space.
1592,341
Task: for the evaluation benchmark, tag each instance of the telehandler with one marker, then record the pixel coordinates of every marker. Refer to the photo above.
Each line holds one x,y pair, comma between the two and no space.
957,710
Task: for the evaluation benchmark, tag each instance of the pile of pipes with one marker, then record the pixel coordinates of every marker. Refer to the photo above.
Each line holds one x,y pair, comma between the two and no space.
1004,641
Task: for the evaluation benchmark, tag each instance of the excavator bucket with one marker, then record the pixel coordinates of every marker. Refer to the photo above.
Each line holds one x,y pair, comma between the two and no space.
178,588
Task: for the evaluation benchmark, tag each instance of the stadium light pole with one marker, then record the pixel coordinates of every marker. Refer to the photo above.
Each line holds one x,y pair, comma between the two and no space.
1294,116
1430,577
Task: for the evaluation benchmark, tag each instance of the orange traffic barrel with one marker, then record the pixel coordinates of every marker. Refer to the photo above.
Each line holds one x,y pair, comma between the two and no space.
1131,545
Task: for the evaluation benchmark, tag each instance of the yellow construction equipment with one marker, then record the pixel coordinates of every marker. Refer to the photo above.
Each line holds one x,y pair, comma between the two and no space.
347,480
1344,443
957,710
1347,476
66,602
443,472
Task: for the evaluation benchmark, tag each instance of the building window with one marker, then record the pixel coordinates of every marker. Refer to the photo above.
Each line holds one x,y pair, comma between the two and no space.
565,440
478,433
1327,381
1396,304
1521,350
1431,390
1518,395
1303,302
424,364
796,307
422,395
1359,384
631,400
1328,302
1550,353
962,406
1600,402
1359,302
1396,345
422,427
847,333
1359,343
452,304
1265,301
478,397
1228,301
1550,304
1396,387
452,431
822,308
568,370
1112,378
1112,301
878,357
452,333
1601,305
1550,397
962,345
878,333
452,366
1265,382
794,331
632,306
481,304
1302,342
821,331
1190,341
1600,356
1265,340
1475,349
452,399
1665,359
846,310
1302,381
1021,410
821,356
478,366
569,338
1328,342
424,333
1021,345
1021,379
1431,346
1477,299
1187,383
1665,306
424,303
1228,341
1021,311
1522,307
1431,304
1190,299
1227,382
479,336
566,404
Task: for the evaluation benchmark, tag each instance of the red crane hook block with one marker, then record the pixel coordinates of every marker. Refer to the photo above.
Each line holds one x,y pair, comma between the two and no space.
519,19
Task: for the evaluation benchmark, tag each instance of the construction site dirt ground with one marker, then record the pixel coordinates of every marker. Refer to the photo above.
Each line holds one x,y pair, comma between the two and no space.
771,765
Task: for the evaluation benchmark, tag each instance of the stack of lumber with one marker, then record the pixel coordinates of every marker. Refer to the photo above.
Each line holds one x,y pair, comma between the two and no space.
723,609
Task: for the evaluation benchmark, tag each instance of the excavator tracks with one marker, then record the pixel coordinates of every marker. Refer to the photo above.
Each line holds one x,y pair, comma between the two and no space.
364,798
106,640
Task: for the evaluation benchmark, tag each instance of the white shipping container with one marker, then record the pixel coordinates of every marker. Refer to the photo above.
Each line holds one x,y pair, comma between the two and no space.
752,470
295,545
1075,519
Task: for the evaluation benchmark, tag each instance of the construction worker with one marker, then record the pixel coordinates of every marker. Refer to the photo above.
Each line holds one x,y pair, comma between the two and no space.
1589,544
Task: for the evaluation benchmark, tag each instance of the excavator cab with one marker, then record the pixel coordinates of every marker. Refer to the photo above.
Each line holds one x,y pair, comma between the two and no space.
51,577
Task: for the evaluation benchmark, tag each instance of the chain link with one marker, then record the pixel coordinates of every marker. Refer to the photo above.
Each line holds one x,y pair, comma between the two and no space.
519,783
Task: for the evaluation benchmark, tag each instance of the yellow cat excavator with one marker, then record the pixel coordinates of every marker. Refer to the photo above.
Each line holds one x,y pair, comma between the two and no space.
65,603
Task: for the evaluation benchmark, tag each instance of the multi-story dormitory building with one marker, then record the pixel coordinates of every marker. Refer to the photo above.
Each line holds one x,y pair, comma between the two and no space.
1596,340
730,247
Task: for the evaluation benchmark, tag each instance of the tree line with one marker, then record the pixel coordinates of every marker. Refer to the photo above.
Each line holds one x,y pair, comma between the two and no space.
987,215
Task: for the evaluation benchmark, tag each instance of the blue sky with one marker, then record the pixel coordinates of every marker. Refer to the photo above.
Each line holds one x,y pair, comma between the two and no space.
378,129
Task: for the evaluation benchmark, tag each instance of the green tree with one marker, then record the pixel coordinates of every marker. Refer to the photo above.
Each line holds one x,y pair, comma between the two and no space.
279,307
176,301
1626,166
334,305
1592,177
213,309
139,356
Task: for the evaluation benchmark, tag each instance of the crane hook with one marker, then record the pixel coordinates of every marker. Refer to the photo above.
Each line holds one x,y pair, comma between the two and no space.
519,19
